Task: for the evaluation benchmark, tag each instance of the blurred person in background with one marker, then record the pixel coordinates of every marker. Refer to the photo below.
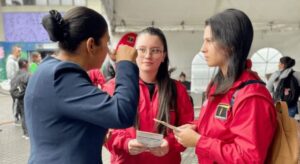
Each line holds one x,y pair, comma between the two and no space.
35,61
17,91
284,84
182,79
12,62
12,67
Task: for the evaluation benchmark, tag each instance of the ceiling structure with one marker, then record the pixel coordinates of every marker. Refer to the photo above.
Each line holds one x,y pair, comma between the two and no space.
189,15
276,24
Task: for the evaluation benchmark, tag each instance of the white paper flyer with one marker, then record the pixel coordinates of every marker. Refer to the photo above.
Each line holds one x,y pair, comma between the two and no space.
149,139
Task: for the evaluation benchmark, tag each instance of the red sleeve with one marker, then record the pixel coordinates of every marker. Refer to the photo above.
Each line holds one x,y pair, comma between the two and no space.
109,87
118,141
119,138
185,115
254,124
96,77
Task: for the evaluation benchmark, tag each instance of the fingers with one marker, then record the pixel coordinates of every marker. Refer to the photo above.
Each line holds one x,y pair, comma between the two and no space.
134,147
194,127
159,152
136,151
191,126
125,52
179,140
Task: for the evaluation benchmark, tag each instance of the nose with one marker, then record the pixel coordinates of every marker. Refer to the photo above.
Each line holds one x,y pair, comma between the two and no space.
147,54
203,48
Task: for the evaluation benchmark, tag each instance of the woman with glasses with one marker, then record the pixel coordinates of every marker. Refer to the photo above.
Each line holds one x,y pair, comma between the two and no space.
160,97
238,120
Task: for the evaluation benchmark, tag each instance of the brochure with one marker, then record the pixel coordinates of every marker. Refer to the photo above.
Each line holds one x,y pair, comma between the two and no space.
149,139
166,124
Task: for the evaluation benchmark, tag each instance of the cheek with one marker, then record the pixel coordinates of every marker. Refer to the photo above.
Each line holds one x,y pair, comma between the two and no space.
101,57
158,63
138,61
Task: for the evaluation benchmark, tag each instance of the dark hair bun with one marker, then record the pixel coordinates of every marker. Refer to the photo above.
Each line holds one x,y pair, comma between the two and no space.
291,62
287,61
55,26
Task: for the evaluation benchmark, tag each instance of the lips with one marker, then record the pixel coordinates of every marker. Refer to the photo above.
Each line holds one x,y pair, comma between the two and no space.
147,62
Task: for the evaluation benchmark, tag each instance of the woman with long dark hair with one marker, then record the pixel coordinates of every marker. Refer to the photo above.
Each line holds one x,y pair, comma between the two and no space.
238,120
160,97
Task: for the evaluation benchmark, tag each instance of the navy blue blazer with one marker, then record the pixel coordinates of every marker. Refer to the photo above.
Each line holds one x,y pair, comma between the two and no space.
67,117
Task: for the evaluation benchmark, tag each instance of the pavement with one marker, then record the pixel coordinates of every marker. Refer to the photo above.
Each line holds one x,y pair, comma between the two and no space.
14,149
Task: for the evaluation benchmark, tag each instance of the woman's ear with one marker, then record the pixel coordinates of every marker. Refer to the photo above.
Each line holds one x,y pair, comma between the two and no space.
90,45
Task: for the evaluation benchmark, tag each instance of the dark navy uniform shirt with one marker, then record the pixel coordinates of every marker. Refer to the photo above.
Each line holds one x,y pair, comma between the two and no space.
68,117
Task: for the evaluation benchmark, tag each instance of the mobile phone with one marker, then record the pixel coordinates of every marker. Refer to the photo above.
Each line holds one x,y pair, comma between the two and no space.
127,39
166,124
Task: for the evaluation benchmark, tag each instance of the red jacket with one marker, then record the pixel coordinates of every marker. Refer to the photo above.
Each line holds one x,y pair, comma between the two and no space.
147,110
245,134
96,77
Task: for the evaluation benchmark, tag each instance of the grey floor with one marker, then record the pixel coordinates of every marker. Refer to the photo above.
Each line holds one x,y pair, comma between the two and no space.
15,150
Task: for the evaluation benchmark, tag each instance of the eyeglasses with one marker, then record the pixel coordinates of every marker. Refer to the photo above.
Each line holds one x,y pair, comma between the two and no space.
152,51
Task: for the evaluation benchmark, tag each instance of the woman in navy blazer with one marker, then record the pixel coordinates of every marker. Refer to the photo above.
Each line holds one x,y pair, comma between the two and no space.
68,117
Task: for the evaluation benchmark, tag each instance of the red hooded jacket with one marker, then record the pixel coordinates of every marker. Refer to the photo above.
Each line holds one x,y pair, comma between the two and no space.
117,144
240,134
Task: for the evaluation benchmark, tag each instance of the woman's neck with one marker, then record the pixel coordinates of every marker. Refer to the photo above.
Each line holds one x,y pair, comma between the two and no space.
148,77
75,58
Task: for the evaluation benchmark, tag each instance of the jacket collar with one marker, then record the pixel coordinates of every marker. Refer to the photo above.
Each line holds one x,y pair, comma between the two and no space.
245,76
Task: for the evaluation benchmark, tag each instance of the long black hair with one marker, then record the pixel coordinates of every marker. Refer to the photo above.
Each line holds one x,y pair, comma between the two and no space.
77,25
166,86
233,31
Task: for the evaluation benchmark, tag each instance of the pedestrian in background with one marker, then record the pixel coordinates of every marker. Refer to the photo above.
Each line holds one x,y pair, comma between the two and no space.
12,67
17,91
284,84
35,61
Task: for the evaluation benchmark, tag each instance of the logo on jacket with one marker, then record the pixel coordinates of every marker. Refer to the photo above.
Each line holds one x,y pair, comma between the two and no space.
222,111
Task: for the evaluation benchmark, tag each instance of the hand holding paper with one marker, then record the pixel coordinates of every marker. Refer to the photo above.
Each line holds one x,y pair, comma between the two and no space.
187,136
148,139
162,150
134,147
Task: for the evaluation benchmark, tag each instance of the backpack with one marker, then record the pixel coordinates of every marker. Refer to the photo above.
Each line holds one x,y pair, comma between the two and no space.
284,147
18,85
288,90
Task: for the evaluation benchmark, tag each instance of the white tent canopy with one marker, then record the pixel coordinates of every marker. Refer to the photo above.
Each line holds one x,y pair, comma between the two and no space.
178,14
276,23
